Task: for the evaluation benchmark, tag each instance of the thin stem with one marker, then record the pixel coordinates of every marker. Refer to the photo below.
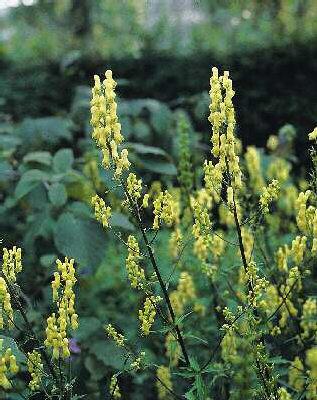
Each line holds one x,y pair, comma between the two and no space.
158,274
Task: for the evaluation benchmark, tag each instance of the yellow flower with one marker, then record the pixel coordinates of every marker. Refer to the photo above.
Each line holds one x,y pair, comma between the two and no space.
309,318
64,297
12,263
163,209
5,305
114,388
115,336
135,272
102,212
106,126
272,142
147,315
35,368
313,135
164,376
269,194
134,186
296,375
8,365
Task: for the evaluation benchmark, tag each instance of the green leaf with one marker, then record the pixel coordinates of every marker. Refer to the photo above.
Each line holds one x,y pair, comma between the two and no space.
47,260
51,130
160,167
81,239
41,157
104,352
57,194
120,220
29,180
63,160
143,149
88,326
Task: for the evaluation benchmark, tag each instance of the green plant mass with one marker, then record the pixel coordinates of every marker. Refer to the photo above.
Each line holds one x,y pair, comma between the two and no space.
183,273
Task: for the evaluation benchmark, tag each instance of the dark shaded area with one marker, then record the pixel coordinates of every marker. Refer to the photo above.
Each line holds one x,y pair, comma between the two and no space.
273,87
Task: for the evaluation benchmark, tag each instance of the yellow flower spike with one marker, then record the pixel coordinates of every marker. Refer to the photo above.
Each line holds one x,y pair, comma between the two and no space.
102,212
117,337
298,248
145,201
35,368
8,366
301,207
272,142
114,388
269,194
313,135
163,209
135,272
134,186
12,263
164,375
106,126
222,119
253,164
309,318
147,314
6,311
66,318
311,360
283,394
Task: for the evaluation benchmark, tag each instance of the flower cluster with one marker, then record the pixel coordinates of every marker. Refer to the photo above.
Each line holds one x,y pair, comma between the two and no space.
313,135
64,297
269,194
253,164
102,212
222,119
6,311
8,365
114,388
311,361
135,272
163,374
12,263
185,292
298,249
134,186
147,315
117,337
106,128
35,368
163,209
309,318
295,374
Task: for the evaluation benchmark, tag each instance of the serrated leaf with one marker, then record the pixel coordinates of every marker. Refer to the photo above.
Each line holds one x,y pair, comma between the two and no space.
57,194
63,160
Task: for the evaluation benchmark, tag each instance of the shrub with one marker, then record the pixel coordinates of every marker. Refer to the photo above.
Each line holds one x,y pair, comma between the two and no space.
221,262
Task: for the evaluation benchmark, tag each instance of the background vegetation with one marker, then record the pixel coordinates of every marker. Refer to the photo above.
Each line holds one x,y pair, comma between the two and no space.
162,53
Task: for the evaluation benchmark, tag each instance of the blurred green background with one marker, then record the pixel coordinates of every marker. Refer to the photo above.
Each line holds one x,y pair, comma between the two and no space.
161,53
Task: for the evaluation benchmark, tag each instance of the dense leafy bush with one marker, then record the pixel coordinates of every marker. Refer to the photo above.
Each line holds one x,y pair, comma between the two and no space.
220,257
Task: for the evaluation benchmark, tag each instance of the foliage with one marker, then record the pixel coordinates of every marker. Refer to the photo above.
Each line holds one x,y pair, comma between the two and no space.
226,298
